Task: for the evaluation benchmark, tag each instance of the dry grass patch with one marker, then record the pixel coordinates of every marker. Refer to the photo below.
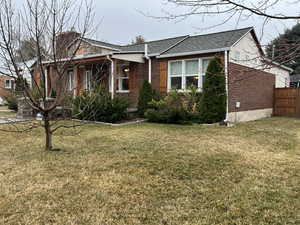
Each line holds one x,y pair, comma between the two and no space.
154,174
8,115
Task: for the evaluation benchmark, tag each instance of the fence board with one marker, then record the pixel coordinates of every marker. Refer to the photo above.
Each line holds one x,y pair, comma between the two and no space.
287,102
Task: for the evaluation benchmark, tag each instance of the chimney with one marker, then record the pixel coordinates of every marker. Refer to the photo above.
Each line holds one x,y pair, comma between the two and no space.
63,40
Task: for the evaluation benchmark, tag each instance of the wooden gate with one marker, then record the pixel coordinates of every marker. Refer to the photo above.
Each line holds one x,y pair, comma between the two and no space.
287,102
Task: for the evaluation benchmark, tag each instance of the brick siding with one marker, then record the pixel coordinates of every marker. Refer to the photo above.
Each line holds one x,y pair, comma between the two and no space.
3,91
252,88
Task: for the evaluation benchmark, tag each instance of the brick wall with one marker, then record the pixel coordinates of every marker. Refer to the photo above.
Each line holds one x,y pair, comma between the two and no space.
3,91
139,72
252,88
63,40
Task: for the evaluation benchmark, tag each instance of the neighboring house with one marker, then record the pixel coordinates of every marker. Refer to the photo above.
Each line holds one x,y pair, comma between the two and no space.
7,79
295,81
178,63
6,85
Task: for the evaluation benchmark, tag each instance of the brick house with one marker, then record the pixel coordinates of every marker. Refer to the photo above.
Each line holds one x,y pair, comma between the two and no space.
178,63
6,85
7,78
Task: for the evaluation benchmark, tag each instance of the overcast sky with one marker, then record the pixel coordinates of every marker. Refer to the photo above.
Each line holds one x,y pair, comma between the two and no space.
121,21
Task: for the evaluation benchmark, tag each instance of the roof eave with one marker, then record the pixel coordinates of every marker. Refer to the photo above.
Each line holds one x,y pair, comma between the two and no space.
279,65
75,58
194,52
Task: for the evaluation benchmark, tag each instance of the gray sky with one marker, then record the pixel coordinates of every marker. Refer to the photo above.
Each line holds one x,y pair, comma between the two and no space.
122,21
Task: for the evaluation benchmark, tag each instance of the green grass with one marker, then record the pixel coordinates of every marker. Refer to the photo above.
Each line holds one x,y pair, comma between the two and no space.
154,174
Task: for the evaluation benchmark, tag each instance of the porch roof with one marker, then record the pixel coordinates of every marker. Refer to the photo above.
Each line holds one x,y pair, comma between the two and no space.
133,56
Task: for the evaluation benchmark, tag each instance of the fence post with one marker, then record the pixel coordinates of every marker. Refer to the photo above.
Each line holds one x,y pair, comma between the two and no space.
274,101
297,102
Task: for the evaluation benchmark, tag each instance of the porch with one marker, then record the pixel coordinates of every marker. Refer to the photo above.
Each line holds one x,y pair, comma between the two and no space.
117,73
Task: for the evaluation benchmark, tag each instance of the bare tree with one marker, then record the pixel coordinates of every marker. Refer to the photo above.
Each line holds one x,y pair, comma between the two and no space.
262,8
241,10
42,22
138,40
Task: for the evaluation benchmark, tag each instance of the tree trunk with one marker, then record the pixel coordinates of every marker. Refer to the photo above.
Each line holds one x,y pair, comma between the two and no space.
48,133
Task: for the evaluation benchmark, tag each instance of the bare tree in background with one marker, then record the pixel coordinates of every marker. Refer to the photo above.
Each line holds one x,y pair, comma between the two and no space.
42,21
236,10
138,40
246,8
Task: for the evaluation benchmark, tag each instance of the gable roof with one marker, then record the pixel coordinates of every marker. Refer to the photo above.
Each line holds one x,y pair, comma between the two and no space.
101,44
206,42
183,45
155,47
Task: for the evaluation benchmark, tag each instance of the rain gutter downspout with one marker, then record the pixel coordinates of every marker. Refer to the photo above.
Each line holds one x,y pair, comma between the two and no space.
149,63
226,84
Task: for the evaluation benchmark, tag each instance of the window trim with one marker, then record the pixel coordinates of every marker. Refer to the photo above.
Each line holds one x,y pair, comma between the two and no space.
183,76
120,78
69,80
88,82
10,83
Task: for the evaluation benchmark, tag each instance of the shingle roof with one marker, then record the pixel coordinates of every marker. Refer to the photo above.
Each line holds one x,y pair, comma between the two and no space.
155,47
101,43
182,44
208,41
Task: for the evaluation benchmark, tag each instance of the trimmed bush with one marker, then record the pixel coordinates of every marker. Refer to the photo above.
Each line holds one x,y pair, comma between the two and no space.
146,95
12,102
20,85
97,105
172,109
213,103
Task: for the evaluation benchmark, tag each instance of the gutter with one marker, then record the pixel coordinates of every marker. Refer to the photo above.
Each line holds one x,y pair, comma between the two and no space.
278,64
194,53
75,58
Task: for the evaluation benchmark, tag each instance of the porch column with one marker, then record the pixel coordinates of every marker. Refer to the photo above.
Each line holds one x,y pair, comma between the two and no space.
150,71
113,76
77,80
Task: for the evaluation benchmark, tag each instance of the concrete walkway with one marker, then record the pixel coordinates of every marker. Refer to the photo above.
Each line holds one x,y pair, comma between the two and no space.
10,120
6,111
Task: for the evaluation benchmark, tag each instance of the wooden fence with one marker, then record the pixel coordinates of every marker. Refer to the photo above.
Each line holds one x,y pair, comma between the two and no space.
287,102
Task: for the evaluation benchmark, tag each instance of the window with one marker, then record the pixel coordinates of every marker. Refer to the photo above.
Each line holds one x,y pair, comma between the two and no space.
191,73
70,80
185,73
9,84
87,80
176,73
237,55
123,79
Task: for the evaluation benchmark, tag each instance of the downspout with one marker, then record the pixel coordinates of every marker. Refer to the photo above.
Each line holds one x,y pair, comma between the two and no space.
226,84
46,82
112,76
149,63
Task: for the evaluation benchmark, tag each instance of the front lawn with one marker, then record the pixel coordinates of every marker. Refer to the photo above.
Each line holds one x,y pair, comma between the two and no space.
8,114
154,174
